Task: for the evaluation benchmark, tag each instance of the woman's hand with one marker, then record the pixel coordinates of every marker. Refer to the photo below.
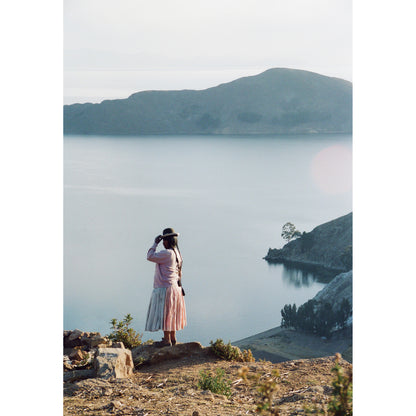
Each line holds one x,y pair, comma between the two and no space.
158,239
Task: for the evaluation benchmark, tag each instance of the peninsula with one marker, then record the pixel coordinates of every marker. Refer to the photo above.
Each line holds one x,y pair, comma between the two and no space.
326,249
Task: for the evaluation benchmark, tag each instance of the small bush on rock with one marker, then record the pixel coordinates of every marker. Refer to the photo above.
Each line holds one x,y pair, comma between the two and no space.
230,353
123,333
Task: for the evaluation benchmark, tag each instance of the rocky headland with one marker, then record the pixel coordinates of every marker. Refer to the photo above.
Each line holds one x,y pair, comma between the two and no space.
327,249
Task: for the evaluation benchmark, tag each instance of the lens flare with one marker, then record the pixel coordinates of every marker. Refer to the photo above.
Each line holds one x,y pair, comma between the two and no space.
331,170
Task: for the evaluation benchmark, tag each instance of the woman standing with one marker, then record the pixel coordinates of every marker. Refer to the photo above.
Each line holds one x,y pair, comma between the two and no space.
167,305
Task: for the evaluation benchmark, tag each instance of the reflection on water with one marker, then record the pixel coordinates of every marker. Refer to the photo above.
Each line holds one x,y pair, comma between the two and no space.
292,275
298,278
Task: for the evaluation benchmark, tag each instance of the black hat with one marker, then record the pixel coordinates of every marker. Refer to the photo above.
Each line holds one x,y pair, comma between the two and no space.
169,232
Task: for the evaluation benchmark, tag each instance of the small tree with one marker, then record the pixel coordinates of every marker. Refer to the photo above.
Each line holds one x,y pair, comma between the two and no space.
289,231
306,316
325,319
316,317
123,333
289,315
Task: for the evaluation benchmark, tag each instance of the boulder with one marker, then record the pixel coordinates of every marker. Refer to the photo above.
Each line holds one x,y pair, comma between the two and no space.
67,363
149,354
78,375
73,338
76,334
336,290
77,355
97,340
113,363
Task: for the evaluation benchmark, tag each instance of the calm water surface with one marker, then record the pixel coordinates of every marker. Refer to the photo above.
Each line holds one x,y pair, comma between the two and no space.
228,197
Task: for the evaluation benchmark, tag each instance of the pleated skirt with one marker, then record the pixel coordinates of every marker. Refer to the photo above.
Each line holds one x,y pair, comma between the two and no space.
167,310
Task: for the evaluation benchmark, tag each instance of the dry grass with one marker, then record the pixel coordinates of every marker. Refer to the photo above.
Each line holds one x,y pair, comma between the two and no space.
171,388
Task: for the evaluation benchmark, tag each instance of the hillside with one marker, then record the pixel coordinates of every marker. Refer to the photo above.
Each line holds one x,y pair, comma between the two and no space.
277,101
328,246
170,387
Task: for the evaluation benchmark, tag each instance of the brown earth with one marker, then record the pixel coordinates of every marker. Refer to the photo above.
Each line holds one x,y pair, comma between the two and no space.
171,388
282,344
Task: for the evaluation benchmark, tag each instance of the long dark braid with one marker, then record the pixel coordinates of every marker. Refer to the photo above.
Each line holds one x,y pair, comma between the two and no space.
173,243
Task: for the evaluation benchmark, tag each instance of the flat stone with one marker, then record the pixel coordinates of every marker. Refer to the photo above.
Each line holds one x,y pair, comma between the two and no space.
149,354
78,375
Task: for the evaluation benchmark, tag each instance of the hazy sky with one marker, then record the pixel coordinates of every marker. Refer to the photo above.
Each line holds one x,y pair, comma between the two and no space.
115,48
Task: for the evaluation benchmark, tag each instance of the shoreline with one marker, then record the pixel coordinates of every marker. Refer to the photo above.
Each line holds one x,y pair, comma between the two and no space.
281,344
323,272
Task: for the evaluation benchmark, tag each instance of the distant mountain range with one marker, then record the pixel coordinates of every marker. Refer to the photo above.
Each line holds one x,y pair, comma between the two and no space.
277,101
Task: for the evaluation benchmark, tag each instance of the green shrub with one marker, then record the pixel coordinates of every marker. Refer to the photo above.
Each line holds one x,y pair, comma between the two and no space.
123,333
341,401
267,389
216,384
229,352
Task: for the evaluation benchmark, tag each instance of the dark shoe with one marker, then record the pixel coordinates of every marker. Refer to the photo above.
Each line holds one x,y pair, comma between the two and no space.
173,342
161,344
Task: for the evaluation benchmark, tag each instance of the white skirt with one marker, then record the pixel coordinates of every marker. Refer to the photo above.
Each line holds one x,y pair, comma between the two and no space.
167,310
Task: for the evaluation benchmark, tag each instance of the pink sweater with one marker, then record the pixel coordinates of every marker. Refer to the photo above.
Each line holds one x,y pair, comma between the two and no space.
166,272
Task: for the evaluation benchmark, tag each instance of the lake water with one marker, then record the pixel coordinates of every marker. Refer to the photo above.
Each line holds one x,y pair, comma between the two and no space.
228,197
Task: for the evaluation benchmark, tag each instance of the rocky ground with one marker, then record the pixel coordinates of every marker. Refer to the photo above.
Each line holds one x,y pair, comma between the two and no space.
170,387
